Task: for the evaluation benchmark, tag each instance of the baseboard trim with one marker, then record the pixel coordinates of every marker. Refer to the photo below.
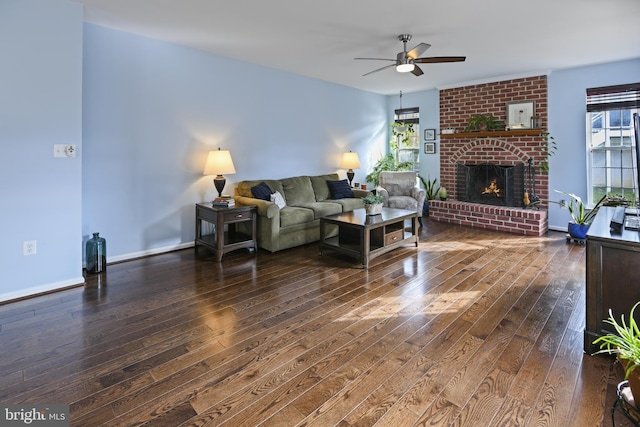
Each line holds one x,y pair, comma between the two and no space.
35,291
149,252
41,290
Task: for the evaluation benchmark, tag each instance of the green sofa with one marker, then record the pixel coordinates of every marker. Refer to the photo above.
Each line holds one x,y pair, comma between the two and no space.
308,198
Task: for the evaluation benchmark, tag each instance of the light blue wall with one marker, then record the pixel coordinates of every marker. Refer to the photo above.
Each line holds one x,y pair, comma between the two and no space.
152,111
567,124
429,103
145,116
40,105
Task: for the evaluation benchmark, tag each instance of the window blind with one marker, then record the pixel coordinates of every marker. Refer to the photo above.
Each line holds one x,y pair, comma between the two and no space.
408,115
613,97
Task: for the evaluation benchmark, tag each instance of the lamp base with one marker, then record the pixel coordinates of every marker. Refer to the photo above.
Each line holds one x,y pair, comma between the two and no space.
350,175
219,181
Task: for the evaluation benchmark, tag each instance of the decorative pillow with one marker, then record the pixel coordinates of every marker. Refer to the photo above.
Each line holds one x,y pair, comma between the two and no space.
340,189
261,191
278,199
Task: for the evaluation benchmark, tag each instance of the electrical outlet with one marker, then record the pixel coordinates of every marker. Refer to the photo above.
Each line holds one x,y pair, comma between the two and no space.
64,150
29,247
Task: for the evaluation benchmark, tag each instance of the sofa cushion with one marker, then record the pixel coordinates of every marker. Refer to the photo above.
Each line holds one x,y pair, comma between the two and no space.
340,189
325,208
298,190
320,187
243,188
293,215
403,202
278,199
349,204
261,191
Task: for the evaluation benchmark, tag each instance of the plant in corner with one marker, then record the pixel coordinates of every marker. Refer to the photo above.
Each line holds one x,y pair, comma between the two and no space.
430,187
625,344
581,217
431,192
386,163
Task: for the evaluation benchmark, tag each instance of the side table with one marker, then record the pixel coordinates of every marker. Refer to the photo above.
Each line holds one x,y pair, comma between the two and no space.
221,241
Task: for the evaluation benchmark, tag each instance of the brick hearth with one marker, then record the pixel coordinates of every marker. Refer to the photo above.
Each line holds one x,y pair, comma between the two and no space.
457,105
512,220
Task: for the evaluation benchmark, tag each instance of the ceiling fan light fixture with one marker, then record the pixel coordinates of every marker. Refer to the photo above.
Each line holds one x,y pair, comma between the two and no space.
405,68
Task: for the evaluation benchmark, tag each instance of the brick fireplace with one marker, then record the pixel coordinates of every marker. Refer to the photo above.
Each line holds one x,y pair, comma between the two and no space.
501,148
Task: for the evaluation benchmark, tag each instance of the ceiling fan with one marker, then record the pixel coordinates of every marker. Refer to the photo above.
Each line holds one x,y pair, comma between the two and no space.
406,61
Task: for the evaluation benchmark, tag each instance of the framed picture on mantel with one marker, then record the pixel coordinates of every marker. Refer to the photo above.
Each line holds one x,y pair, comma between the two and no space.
520,113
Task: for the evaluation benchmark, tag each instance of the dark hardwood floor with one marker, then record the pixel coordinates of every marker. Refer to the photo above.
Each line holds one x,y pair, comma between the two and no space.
472,328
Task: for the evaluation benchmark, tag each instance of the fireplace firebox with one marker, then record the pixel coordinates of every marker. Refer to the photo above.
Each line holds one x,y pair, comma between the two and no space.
490,184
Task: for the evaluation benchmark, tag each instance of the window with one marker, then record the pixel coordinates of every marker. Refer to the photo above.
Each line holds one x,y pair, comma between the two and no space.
611,141
405,143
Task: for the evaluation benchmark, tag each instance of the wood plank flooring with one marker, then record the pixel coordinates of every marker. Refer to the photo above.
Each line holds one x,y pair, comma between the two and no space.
472,328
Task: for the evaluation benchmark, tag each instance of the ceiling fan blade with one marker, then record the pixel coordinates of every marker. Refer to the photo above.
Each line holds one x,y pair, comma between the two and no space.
417,71
436,59
418,50
380,69
377,59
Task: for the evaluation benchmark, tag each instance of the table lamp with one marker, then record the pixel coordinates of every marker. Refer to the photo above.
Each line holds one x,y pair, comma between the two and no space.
350,161
219,162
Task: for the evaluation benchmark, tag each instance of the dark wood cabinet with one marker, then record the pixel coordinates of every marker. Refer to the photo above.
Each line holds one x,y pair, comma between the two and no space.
613,276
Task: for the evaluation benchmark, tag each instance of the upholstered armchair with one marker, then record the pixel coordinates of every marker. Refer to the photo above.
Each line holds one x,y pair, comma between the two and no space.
400,190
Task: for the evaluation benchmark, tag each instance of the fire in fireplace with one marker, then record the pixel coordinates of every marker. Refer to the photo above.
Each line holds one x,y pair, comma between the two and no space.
490,184
493,188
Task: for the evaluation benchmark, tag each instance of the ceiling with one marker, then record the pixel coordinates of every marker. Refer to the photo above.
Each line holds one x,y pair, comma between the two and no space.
500,38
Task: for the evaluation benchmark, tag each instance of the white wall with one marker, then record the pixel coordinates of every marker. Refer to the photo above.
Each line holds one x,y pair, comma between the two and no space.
152,111
40,105
567,124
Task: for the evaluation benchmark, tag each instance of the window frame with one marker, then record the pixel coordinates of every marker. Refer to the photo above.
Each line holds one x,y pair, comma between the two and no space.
605,100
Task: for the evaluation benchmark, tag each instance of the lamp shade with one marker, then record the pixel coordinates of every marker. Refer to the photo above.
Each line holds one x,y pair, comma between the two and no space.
350,160
219,163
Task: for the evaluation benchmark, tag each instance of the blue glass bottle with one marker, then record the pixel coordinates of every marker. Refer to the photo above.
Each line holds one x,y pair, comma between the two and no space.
96,254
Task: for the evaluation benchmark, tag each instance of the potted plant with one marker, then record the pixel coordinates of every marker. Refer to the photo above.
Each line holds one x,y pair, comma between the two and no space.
625,344
386,163
431,190
549,148
482,123
373,204
581,217
401,134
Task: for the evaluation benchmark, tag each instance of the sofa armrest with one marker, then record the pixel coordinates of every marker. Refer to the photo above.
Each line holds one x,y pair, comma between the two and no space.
385,195
265,208
361,193
417,193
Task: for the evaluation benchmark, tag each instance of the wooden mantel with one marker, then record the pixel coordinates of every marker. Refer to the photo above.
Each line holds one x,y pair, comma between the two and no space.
493,133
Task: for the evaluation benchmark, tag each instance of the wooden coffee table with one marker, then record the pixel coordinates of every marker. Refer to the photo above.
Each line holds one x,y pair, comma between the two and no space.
367,237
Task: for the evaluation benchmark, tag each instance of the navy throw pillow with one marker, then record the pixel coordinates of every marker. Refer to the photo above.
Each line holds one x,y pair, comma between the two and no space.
261,191
340,189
